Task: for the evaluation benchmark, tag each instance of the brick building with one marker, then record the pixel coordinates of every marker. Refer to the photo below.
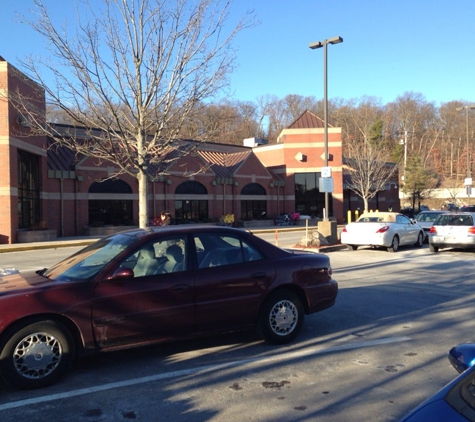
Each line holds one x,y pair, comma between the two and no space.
50,188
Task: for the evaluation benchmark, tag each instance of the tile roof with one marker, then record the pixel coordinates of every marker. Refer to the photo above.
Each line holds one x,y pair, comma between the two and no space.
307,120
224,164
59,157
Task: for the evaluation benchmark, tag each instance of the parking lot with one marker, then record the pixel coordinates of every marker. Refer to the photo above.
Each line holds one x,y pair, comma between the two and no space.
373,356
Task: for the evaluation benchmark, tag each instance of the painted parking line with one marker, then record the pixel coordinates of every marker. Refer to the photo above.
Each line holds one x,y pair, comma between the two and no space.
199,370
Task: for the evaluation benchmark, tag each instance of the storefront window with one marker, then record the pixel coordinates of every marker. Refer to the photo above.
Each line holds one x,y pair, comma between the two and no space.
116,212
308,198
253,208
195,210
29,210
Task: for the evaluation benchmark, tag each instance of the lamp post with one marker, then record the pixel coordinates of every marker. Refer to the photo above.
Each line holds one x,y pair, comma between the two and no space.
404,142
313,46
468,185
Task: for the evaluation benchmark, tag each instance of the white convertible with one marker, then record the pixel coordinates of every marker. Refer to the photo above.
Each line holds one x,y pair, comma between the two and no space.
382,229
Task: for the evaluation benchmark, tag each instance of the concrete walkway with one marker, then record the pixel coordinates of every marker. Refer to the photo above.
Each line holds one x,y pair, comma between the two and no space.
87,240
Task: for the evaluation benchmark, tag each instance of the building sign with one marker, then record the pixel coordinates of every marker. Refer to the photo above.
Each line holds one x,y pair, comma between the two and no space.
326,172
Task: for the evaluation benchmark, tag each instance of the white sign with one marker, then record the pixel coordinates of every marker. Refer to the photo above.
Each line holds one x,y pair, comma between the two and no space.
325,184
326,172
468,181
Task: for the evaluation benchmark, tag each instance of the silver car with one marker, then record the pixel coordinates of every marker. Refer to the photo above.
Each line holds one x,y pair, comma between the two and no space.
426,220
453,230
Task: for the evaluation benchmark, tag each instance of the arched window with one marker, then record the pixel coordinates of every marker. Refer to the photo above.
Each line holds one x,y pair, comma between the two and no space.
115,211
253,189
110,186
192,208
192,188
256,207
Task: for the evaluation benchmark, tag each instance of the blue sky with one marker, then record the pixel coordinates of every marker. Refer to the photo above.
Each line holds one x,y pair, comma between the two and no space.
390,47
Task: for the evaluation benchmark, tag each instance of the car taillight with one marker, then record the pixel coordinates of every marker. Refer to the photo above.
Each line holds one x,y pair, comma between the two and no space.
383,229
432,230
471,230
344,229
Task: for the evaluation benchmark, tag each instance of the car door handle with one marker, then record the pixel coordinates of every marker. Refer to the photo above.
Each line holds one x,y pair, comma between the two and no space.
259,275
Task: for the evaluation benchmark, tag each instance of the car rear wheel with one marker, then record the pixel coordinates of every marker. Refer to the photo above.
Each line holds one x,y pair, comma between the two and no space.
36,355
281,317
420,240
433,248
394,244
352,247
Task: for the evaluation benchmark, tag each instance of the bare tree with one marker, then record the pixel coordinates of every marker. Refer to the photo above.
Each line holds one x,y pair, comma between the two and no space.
367,169
131,74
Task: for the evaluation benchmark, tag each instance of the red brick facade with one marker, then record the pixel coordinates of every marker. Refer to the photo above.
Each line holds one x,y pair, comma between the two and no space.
65,192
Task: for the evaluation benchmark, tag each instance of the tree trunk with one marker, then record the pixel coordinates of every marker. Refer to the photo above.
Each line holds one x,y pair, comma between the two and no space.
143,208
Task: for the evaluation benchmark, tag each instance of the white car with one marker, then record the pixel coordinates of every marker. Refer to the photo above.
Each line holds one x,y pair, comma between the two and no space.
453,230
382,229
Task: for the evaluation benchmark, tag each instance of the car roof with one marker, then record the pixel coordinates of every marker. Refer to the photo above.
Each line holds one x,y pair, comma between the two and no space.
182,228
388,217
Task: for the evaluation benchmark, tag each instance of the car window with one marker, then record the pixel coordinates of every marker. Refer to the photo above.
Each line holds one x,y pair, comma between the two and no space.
88,262
214,250
402,219
461,220
427,217
162,256
454,220
371,220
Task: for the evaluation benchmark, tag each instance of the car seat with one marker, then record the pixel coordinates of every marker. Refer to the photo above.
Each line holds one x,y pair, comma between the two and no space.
174,255
146,264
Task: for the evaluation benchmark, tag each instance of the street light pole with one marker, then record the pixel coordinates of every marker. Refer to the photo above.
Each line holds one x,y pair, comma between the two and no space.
468,186
313,46
404,142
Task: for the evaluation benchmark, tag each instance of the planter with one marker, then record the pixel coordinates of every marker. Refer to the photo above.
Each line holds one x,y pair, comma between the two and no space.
106,230
30,236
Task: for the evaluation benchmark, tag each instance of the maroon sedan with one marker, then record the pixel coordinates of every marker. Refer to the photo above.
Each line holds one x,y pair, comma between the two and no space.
152,285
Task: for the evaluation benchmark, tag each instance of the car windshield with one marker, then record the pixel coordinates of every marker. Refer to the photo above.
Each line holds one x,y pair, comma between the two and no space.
371,220
85,264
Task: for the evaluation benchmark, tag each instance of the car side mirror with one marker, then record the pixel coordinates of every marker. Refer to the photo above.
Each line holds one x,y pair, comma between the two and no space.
462,356
122,273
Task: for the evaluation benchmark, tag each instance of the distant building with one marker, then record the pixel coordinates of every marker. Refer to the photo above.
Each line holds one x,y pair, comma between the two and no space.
43,187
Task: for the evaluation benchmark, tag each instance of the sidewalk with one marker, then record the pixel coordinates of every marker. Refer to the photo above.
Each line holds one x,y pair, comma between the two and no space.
65,242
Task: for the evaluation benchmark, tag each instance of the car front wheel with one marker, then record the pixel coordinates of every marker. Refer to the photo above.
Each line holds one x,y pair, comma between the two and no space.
394,244
281,317
36,355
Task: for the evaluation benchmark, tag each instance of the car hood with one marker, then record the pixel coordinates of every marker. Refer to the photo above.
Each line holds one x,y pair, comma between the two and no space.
22,281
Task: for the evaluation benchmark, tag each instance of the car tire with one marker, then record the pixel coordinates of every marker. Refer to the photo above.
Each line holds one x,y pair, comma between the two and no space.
394,244
433,248
352,247
36,354
420,240
281,317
